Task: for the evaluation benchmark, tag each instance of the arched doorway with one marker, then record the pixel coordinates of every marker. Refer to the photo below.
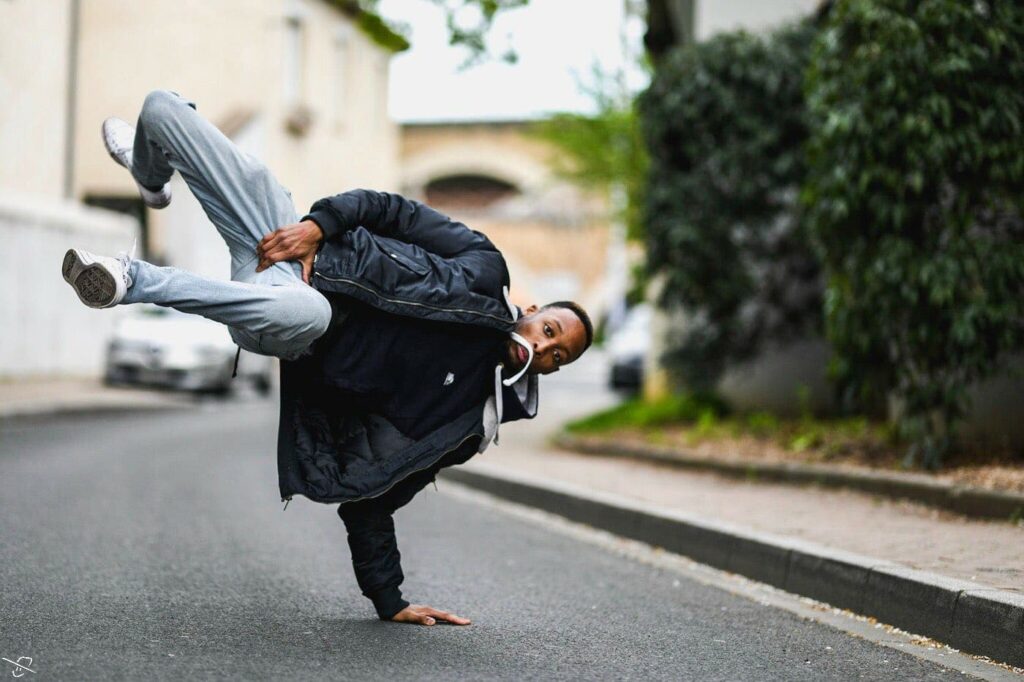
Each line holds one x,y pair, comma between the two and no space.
467,192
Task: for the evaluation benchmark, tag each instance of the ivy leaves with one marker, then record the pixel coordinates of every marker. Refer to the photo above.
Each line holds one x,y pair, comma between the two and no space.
915,108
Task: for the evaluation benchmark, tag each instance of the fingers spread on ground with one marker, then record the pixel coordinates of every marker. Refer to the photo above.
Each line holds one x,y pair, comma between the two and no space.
448,617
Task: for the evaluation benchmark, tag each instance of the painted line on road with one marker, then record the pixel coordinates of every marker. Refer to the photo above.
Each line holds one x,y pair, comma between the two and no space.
766,595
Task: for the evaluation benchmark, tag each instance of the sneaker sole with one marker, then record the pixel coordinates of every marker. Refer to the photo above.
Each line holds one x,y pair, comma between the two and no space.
67,268
94,285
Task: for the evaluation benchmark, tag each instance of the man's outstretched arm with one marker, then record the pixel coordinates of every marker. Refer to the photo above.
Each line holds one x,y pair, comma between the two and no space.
375,556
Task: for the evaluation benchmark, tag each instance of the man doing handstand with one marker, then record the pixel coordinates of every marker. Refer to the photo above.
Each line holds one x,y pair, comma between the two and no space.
401,352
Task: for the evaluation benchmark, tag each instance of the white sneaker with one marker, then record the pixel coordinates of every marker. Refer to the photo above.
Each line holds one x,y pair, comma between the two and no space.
99,281
119,139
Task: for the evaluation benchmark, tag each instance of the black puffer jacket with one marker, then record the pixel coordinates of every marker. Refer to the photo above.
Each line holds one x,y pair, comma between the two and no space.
408,259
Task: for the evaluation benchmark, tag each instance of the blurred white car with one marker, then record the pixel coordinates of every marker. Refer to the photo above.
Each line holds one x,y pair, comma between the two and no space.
162,347
628,347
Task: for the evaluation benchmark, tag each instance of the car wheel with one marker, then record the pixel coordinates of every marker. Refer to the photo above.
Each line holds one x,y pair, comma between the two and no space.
219,391
262,384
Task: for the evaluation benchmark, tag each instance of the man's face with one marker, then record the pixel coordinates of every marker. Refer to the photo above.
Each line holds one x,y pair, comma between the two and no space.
556,334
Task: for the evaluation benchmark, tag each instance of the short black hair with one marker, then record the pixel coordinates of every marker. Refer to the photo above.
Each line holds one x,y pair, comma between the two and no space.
588,326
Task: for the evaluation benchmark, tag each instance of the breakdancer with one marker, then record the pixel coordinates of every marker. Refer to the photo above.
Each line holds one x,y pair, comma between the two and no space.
400,350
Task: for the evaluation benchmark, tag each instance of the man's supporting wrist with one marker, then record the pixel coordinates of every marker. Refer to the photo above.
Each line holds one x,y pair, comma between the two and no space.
388,602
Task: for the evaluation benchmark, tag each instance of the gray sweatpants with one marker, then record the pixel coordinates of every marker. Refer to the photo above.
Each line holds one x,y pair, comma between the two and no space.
271,312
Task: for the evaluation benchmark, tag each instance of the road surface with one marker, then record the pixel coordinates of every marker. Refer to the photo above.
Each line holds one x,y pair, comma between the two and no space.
154,546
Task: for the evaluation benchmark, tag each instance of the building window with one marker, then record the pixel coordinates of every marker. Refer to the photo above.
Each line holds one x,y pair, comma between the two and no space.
294,62
380,96
340,93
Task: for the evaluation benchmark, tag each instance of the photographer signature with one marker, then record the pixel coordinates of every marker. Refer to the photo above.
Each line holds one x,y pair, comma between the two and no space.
21,666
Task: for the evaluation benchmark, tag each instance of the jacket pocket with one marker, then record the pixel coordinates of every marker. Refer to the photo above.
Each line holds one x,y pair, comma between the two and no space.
406,262
406,256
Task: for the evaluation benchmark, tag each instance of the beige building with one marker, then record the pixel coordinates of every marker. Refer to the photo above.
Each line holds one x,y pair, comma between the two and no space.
291,81
497,178
680,22
46,331
34,90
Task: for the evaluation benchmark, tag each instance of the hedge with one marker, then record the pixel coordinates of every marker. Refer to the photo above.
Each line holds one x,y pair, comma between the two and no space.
914,194
725,125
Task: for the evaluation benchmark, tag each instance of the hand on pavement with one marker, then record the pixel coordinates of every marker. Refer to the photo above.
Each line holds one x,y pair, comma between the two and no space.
297,242
421,614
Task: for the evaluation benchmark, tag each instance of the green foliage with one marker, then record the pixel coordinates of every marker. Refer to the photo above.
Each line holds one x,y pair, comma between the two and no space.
705,418
381,32
388,35
468,23
473,35
681,408
725,124
762,424
603,151
914,195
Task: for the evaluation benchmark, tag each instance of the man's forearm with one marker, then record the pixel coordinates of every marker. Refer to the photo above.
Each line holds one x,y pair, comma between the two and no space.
375,557
371,538
394,216
342,212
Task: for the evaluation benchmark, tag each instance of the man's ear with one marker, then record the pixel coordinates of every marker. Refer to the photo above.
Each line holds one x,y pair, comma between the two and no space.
531,310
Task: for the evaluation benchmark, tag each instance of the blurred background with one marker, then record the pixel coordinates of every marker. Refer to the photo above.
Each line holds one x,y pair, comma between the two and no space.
797,222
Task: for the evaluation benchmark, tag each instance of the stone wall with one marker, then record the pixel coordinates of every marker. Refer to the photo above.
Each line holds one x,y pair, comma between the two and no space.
775,380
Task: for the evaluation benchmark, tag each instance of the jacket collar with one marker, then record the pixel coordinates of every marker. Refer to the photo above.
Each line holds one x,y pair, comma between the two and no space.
514,398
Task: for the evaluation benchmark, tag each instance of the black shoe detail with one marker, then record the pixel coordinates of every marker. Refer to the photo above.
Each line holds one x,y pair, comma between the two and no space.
96,286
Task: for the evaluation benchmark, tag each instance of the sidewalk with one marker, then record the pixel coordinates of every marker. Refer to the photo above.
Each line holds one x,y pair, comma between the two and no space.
955,490
38,397
925,570
956,581
987,553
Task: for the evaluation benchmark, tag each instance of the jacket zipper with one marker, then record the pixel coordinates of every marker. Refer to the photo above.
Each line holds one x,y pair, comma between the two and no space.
414,471
422,305
402,301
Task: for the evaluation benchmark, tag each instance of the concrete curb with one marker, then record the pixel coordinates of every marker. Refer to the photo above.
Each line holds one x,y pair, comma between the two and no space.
987,622
966,500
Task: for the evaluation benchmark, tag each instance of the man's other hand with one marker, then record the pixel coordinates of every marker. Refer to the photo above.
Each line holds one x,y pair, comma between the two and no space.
426,615
297,242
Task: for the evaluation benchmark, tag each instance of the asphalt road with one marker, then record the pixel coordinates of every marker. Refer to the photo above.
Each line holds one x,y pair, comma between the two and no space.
153,546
